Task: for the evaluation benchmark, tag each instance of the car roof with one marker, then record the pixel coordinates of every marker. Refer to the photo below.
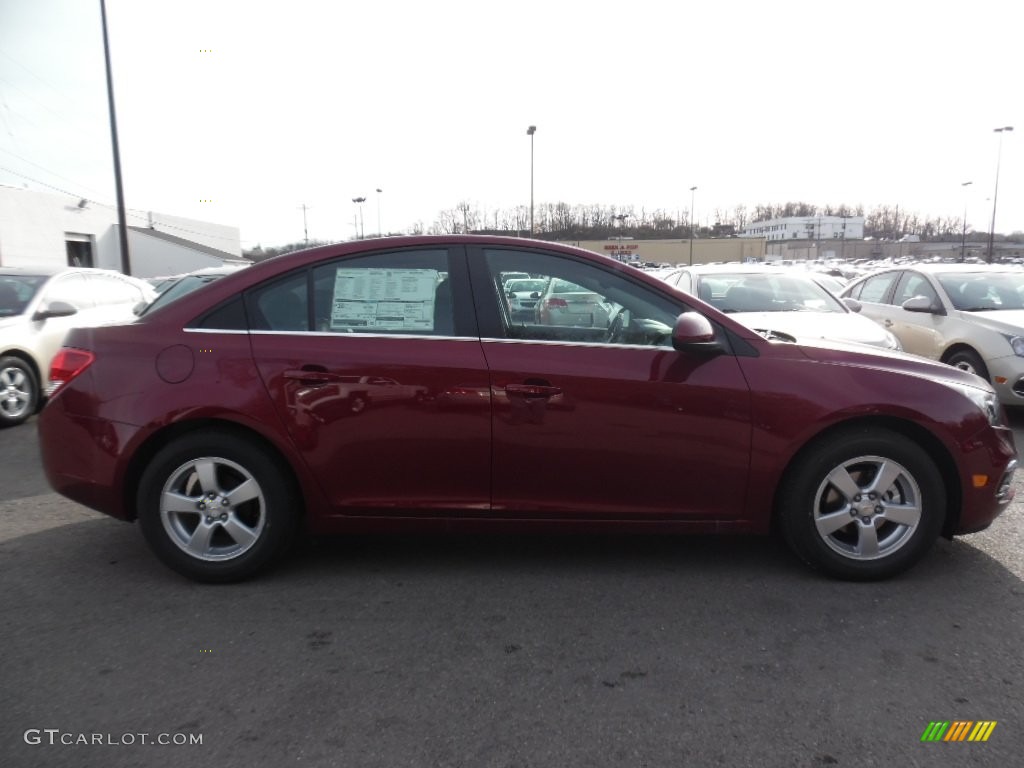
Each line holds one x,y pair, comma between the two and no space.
49,271
753,269
31,271
932,268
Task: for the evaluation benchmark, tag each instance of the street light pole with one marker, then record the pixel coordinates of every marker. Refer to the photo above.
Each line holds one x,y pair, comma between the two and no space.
692,199
529,132
963,236
995,195
359,201
305,228
380,232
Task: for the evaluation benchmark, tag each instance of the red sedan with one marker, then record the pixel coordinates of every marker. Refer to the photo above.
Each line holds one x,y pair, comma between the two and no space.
226,420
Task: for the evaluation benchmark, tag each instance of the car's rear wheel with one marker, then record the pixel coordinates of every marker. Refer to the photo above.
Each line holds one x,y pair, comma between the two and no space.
968,360
863,504
215,507
19,391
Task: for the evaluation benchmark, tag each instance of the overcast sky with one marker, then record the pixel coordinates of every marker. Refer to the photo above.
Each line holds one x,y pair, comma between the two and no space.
260,107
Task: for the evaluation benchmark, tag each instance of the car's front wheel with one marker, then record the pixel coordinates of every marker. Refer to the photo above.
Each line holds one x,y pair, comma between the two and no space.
864,504
215,507
968,360
19,391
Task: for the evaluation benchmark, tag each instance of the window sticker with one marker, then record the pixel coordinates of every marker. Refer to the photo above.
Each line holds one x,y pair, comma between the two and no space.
384,299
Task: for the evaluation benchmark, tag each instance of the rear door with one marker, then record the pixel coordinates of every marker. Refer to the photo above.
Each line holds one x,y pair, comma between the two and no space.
374,364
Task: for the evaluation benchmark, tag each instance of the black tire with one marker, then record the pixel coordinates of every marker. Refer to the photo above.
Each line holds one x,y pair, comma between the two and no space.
19,391
238,531
817,517
968,360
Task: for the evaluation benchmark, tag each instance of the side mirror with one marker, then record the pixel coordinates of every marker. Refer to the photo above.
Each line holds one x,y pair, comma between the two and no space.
922,304
55,309
852,304
693,333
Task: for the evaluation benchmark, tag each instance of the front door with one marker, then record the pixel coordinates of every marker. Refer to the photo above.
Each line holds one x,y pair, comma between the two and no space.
605,419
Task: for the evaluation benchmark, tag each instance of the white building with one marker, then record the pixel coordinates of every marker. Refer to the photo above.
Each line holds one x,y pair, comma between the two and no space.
808,228
39,229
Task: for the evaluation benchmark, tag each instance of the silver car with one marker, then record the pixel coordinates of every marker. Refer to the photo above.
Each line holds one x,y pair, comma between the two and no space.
567,304
37,308
781,303
967,315
523,296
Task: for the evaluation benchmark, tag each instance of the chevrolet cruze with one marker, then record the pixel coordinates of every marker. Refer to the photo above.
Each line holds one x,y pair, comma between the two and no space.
227,420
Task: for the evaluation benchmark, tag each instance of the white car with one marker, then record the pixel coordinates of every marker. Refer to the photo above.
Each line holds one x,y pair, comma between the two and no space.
37,308
967,315
781,303
523,296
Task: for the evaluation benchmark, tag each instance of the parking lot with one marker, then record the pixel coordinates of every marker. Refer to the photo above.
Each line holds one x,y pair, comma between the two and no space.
495,651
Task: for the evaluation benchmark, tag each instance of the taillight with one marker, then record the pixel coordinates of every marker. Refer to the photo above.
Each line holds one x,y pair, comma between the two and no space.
561,303
65,366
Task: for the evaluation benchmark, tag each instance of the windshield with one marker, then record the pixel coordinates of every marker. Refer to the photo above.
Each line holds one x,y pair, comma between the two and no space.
984,291
16,291
744,292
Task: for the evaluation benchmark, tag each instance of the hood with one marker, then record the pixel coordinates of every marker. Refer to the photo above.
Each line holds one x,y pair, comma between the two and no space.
858,355
816,326
1008,321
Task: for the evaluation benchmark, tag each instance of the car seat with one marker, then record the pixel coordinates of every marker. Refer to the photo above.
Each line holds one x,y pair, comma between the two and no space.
284,311
975,295
10,302
743,298
444,324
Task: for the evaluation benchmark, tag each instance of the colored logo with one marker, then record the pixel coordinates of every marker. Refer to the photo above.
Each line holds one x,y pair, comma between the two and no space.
958,730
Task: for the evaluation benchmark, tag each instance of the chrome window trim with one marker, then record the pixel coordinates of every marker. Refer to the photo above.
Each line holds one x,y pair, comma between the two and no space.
336,335
598,344
328,334
234,332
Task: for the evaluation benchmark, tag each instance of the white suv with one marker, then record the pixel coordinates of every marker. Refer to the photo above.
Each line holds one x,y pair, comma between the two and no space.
37,308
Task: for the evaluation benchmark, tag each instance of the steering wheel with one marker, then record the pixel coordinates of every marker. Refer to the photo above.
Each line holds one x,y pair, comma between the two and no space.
615,327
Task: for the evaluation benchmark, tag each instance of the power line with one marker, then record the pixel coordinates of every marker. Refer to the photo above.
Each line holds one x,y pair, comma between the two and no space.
47,170
135,213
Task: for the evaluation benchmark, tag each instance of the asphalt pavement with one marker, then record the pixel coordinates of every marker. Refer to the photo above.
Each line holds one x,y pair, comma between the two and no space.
495,651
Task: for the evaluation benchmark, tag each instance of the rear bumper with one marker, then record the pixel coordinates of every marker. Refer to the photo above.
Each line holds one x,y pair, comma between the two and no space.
82,457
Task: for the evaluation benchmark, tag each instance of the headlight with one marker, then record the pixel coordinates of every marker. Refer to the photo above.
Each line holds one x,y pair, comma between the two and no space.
1017,343
986,401
893,343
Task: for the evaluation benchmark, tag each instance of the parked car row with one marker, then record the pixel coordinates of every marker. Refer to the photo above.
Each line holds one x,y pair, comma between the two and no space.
969,315
966,315
37,308
776,302
387,384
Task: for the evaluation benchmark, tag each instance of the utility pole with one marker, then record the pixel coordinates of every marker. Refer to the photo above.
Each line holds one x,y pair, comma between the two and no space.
693,198
122,218
963,236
